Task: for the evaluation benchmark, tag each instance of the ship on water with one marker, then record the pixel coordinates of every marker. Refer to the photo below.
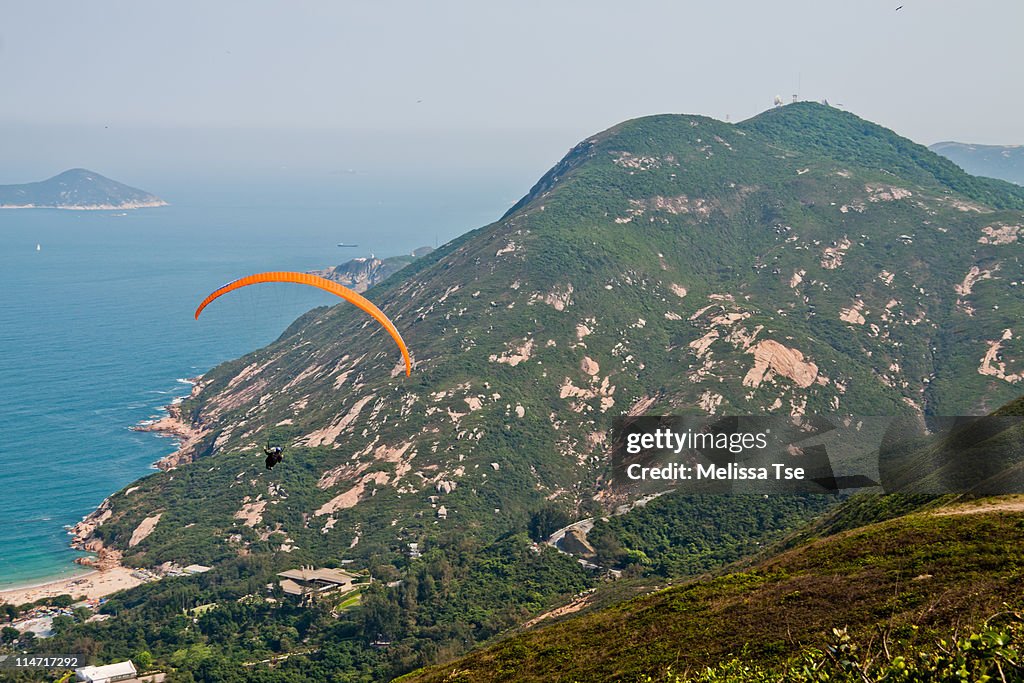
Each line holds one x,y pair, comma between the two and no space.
350,246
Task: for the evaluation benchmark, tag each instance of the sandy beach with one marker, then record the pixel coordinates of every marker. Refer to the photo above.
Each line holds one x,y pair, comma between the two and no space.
92,585
108,575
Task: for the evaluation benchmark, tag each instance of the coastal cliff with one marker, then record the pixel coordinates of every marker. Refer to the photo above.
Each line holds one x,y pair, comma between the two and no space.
359,274
189,435
174,425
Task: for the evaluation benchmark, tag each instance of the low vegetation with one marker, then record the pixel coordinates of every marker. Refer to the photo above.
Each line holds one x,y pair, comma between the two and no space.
913,587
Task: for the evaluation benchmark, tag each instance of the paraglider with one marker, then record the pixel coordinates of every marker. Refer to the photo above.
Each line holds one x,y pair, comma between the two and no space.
361,302
275,454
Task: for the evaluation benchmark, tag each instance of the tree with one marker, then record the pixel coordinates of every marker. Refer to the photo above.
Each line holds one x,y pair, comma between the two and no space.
61,624
381,614
64,600
547,521
9,634
84,645
144,660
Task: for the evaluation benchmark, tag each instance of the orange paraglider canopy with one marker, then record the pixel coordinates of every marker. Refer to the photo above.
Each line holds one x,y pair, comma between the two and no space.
324,284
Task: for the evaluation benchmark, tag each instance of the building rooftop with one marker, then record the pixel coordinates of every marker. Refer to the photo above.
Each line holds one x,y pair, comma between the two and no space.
94,673
306,574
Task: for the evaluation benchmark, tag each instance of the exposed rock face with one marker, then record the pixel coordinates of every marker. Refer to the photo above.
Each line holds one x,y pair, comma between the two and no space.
992,366
966,287
516,354
351,497
361,273
251,513
575,543
771,356
83,531
999,234
189,435
832,257
853,314
144,529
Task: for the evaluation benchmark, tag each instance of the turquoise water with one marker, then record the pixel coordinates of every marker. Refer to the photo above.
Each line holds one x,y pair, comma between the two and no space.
96,328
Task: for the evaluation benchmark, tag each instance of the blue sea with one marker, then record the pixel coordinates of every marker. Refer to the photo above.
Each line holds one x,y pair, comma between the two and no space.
97,333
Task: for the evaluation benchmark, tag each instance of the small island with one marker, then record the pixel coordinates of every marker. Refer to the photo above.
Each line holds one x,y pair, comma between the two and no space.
77,189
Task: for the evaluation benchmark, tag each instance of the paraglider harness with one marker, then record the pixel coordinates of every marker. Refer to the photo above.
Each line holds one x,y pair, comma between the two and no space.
275,454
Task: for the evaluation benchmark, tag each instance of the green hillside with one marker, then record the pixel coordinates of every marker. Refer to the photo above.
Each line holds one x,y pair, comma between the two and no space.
911,581
669,264
827,287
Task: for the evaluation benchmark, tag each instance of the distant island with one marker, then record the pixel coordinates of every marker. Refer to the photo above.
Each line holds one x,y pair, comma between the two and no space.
77,189
1005,162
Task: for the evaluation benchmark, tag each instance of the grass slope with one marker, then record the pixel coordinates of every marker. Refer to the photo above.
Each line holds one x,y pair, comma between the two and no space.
914,578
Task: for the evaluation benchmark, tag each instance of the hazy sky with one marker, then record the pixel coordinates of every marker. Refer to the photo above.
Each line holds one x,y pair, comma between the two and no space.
472,83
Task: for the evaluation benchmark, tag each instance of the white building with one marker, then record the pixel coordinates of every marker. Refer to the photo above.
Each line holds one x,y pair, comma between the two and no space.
106,674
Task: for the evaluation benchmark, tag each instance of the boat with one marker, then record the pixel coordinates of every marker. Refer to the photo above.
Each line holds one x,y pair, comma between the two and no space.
39,247
350,246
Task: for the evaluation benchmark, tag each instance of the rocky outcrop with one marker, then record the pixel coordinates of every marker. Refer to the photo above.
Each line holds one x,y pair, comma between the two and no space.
361,273
174,425
575,543
772,357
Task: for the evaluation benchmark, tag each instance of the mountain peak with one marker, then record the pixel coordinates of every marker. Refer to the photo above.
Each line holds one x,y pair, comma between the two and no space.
79,174
845,137
674,153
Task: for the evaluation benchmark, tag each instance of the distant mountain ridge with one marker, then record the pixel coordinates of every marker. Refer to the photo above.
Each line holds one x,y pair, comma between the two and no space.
77,189
1005,162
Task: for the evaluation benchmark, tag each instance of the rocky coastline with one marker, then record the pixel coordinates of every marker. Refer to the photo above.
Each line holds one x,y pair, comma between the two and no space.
83,534
175,425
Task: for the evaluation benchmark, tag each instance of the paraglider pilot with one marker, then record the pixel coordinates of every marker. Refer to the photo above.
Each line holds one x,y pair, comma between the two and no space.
275,454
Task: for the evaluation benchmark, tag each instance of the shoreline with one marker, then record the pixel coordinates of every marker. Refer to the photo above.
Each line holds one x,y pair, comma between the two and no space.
89,207
40,581
104,574
174,425
92,585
